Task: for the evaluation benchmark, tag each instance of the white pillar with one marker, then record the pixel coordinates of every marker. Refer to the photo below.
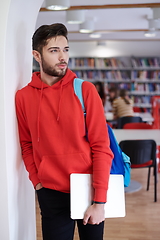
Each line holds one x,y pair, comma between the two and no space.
17,198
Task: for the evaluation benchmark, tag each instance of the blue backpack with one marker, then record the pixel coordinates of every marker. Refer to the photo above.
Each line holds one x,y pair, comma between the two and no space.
121,162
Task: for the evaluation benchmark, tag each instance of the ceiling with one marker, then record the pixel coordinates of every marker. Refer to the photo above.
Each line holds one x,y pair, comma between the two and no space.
122,20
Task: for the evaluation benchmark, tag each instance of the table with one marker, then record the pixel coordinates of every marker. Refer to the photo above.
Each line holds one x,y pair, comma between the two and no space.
146,116
133,134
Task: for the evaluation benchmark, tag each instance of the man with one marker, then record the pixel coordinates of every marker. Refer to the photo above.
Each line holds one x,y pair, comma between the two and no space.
53,138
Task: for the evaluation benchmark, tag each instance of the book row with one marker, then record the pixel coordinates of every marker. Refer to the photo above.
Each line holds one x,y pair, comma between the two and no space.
98,62
153,74
117,75
142,100
145,62
138,88
121,62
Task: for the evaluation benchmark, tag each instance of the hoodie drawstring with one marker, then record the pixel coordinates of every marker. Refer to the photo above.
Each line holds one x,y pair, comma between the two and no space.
39,110
59,105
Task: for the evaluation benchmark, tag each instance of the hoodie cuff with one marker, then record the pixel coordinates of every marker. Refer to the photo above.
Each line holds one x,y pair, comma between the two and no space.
100,195
35,180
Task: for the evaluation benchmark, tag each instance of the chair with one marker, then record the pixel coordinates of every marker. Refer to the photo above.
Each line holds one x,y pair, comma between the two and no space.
137,125
136,109
139,109
142,154
129,119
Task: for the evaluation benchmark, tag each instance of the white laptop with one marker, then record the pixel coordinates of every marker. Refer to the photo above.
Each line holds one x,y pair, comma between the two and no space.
82,192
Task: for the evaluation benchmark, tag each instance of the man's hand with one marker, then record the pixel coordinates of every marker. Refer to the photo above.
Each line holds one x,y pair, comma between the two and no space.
94,214
38,186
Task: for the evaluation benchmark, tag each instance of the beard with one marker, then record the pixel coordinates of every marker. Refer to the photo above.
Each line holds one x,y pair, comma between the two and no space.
52,71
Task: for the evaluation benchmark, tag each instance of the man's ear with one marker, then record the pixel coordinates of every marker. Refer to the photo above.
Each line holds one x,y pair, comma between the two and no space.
37,56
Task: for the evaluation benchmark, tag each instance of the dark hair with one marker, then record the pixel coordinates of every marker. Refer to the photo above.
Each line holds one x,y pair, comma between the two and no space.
123,94
101,91
114,90
45,32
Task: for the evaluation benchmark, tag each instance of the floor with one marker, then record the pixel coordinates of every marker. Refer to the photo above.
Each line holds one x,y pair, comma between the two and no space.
142,221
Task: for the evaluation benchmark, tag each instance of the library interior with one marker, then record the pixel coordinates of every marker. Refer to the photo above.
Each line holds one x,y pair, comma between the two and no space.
118,46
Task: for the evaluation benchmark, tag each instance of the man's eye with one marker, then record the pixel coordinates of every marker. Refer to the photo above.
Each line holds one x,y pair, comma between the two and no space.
54,50
66,50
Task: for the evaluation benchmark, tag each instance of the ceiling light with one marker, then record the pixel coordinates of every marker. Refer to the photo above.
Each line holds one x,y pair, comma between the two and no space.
152,24
87,26
150,33
75,16
101,44
156,13
57,4
95,35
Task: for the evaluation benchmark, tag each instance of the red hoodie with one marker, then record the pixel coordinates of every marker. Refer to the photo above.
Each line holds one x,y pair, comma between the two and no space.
52,134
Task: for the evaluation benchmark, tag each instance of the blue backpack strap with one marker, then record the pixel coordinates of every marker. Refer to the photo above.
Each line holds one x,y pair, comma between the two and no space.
127,169
77,84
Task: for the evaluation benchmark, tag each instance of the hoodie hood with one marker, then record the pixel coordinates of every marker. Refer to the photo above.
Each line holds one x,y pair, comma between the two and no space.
40,85
37,82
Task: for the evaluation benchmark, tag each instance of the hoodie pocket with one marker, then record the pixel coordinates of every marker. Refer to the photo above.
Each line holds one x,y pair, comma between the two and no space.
56,169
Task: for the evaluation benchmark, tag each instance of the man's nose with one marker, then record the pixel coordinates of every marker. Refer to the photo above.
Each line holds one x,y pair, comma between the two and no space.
61,55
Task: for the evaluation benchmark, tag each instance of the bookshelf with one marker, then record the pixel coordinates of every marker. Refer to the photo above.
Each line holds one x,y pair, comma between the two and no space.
139,75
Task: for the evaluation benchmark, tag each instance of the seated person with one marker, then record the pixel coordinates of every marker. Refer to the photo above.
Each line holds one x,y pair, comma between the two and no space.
123,105
100,89
113,93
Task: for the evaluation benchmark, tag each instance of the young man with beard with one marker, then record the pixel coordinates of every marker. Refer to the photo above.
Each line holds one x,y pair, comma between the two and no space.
53,138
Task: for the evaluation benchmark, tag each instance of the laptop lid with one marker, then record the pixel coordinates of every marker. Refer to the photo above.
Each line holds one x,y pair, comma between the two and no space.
82,192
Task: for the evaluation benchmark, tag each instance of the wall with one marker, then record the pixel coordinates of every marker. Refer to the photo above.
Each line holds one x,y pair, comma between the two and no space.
4,221
17,201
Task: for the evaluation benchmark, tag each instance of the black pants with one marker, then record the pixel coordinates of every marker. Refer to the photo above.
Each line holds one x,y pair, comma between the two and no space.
56,221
